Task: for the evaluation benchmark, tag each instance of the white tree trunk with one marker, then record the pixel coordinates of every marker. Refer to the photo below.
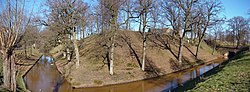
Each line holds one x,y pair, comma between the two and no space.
76,49
144,19
112,56
68,54
144,53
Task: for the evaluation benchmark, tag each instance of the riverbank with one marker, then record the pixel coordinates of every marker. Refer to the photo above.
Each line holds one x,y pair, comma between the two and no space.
234,76
24,64
98,79
160,59
23,67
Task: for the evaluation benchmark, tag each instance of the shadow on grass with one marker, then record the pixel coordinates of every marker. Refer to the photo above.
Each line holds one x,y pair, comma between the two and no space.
163,43
192,83
174,65
151,70
132,50
189,50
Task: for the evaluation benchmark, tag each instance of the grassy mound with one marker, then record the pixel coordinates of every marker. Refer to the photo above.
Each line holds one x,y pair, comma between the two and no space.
161,58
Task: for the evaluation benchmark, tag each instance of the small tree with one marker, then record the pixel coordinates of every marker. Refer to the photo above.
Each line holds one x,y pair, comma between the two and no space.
112,9
209,11
239,27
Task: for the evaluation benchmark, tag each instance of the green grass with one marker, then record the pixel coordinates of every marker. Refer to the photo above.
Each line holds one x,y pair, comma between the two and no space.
234,77
20,85
98,82
208,48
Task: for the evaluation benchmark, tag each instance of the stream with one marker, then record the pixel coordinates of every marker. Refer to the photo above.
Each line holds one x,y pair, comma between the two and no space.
44,77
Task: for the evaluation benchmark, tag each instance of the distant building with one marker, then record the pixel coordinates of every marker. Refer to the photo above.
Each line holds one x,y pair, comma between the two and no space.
167,31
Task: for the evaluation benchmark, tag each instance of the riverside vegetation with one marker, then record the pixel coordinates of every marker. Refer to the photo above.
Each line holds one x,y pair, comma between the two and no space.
234,77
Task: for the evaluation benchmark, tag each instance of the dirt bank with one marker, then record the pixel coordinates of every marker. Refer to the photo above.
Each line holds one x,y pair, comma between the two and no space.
160,59
24,64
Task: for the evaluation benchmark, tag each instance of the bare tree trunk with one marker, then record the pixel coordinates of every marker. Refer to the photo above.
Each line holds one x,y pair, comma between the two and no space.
25,49
97,25
144,42
214,46
180,51
140,24
127,22
198,48
128,15
144,19
76,48
111,72
113,28
238,43
9,72
6,71
181,46
13,74
144,51
68,54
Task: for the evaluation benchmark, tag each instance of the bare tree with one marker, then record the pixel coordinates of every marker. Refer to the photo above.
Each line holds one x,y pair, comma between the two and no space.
66,15
112,8
12,23
217,28
127,8
239,27
155,13
31,31
143,8
179,15
172,12
209,11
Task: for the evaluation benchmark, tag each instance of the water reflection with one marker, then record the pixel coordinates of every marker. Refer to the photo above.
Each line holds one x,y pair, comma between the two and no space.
45,78
42,76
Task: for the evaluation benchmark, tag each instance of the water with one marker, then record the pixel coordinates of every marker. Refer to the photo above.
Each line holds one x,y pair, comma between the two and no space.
45,78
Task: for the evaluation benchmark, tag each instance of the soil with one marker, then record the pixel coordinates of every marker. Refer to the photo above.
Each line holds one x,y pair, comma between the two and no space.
161,59
24,64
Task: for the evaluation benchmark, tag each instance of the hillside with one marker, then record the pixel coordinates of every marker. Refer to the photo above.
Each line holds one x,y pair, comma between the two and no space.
161,59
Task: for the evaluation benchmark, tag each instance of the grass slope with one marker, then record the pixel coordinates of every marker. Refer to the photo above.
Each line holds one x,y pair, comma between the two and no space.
234,77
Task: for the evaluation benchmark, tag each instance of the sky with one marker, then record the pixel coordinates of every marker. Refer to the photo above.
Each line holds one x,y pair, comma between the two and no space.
231,7
236,8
